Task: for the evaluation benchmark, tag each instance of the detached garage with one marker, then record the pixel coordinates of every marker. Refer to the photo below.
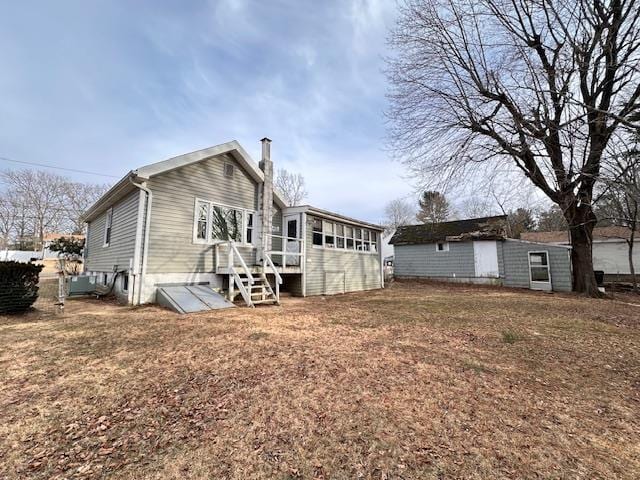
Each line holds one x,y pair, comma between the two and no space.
478,251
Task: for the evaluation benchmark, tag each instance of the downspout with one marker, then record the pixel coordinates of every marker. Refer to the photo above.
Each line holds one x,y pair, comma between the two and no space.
145,242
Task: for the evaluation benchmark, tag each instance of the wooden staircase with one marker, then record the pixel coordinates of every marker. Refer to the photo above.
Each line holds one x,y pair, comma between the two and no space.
254,287
259,292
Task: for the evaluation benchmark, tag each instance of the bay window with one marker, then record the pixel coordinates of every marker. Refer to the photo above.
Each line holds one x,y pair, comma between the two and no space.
214,223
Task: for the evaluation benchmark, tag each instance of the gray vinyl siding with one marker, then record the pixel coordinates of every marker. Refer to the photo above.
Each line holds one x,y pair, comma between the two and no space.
330,271
123,236
425,261
516,261
171,246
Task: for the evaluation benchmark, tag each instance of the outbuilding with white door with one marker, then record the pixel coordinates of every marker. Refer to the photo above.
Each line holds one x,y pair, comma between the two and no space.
478,250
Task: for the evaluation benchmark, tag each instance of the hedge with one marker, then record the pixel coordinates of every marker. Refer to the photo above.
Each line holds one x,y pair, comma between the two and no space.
18,286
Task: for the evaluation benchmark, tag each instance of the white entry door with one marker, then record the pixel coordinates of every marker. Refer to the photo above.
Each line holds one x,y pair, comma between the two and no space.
292,234
485,254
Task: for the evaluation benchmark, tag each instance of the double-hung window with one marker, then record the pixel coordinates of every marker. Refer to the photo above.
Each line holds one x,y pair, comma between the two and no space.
107,227
214,223
249,233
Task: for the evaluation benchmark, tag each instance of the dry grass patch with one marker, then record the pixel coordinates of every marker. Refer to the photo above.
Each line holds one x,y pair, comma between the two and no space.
417,380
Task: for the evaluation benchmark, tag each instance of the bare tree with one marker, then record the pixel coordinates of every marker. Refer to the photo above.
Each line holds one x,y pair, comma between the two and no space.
292,187
38,198
476,207
397,213
433,207
551,219
621,201
542,86
8,217
78,197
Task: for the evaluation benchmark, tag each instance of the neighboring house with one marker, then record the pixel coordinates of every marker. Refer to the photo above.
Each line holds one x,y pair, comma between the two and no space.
610,250
478,251
212,217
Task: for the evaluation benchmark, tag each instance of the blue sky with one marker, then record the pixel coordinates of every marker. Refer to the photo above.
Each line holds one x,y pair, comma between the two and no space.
112,85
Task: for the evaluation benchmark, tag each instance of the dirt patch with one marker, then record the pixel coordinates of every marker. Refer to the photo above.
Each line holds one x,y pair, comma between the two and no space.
415,381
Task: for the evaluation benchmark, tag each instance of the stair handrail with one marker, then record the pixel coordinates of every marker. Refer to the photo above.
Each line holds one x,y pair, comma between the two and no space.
235,278
266,258
235,252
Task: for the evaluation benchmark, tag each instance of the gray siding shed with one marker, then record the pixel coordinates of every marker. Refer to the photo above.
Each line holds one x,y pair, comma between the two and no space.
425,261
516,260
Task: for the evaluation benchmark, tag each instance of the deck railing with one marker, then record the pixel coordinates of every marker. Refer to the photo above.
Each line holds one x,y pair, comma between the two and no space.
286,242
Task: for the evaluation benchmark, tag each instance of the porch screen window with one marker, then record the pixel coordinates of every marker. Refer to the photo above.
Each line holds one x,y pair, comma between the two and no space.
349,234
329,235
202,219
249,227
539,266
107,227
317,231
366,236
226,224
358,239
340,236
374,242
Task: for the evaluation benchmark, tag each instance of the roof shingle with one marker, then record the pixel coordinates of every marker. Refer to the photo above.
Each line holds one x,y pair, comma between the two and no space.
488,228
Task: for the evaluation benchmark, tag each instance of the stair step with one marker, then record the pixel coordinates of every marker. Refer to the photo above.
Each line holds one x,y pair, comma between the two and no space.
259,302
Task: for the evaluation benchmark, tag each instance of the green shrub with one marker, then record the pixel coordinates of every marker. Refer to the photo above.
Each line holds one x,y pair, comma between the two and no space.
18,286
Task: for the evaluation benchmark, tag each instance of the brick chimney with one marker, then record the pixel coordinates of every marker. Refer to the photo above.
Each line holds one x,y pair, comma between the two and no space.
266,207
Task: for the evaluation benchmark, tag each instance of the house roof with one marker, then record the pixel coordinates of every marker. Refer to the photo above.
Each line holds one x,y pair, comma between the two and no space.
562,236
54,236
337,216
125,185
487,228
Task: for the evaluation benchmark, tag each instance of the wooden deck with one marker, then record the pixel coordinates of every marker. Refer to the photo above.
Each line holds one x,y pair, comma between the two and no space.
289,269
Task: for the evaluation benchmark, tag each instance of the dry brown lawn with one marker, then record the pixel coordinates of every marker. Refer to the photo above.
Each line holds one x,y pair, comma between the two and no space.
414,381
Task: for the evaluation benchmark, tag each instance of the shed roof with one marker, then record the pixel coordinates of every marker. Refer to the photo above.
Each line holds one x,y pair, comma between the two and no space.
487,228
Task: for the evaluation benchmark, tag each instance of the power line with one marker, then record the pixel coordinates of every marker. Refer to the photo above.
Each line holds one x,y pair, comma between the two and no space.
57,168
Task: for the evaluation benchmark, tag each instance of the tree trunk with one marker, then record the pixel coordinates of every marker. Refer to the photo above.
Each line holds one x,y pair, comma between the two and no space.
632,269
584,279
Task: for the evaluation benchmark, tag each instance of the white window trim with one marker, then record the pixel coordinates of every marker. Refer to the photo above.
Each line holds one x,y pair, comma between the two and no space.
548,266
208,240
445,249
345,237
108,225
